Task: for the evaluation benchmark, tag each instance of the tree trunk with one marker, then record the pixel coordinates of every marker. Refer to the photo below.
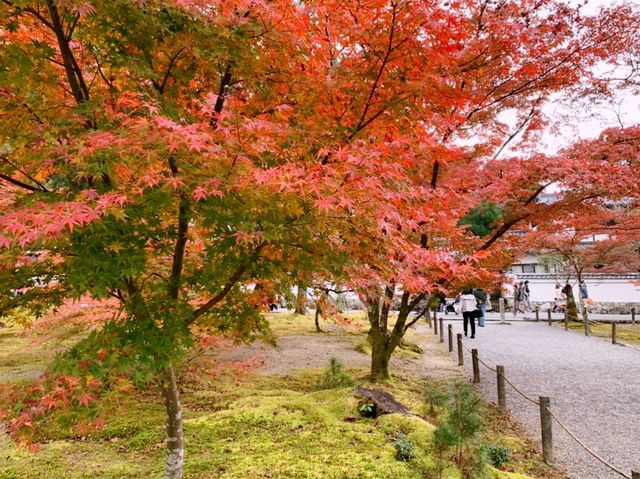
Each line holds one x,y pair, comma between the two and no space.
384,341
380,356
317,318
175,435
301,300
572,310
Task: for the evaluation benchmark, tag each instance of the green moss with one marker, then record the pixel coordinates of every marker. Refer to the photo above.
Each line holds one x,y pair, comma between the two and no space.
497,474
364,347
625,333
77,460
266,426
295,435
25,354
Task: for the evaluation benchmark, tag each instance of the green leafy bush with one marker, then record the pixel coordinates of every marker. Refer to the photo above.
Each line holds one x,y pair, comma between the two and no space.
404,447
334,377
367,409
498,455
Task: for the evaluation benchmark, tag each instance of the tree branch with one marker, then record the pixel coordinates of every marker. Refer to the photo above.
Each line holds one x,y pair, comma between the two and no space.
20,184
222,95
172,61
235,277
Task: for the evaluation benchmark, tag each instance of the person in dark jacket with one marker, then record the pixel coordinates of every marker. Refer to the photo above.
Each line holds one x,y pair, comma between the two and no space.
481,298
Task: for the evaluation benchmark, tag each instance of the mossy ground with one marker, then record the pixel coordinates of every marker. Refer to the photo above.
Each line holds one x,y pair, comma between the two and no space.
625,332
278,426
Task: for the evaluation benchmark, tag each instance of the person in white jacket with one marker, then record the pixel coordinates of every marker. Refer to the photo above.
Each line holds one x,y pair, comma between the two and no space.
468,304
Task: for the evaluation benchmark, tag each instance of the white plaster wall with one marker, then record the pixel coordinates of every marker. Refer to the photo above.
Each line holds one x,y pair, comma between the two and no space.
615,290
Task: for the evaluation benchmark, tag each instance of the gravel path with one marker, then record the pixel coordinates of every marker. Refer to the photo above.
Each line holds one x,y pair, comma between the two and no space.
594,388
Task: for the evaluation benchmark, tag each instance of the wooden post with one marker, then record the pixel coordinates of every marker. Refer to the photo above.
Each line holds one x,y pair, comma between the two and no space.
545,428
537,313
435,324
450,328
502,394
613,332
635,475
566,320
586,326
633,315
501,306
460,355
549,315
476,365
441,330
428,316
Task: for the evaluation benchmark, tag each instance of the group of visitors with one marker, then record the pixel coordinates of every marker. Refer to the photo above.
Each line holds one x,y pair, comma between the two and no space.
521,298
561,296
472,303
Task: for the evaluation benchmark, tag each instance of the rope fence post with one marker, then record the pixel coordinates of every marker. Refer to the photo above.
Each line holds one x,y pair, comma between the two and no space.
441,330
545,428
635,475
476,366
549,314
435,324
633,318
502,393
566,319
460,352
501,306
613,332
537,313
450,328
586,325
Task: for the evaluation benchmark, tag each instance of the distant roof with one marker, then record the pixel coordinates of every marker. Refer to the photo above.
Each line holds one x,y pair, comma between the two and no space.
548,198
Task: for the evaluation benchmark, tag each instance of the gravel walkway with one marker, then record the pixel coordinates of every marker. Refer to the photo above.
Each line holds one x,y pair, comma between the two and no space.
594,388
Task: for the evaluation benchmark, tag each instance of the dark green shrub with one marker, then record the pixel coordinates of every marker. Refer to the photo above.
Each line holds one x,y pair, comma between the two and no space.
434,397
334,377
458,436
404,447
498,455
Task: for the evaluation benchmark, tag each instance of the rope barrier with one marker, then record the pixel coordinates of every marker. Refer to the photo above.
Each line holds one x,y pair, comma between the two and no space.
558,420
608,323
520,392
515,388
586,448
480,360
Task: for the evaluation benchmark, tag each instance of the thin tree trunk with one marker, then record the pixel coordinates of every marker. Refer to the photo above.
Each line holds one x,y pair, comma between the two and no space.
317,318
175,434
301,300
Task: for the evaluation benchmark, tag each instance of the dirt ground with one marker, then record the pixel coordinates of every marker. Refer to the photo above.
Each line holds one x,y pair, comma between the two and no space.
313,350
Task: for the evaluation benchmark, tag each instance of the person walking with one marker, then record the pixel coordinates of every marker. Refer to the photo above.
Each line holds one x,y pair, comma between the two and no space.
468,304
517,297
481,298
560,300
584,292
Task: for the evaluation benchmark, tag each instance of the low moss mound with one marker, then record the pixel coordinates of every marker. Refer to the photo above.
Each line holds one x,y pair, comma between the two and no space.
254,432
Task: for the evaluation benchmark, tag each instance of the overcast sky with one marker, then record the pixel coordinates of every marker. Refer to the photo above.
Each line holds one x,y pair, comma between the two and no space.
589,122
